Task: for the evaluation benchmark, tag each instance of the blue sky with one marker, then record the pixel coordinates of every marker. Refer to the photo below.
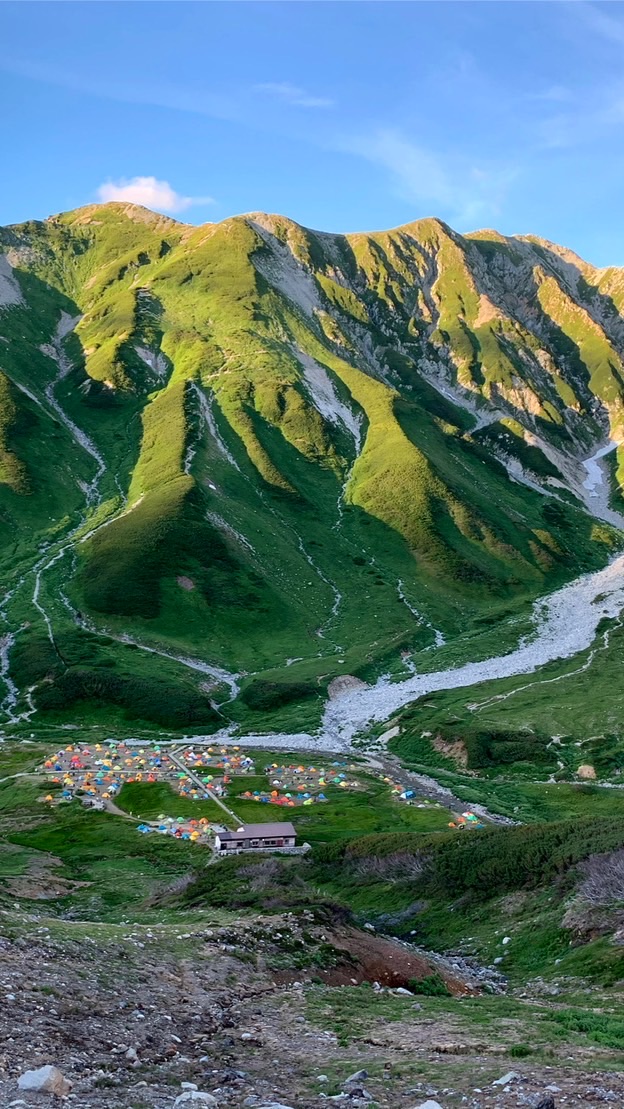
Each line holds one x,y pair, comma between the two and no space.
345,116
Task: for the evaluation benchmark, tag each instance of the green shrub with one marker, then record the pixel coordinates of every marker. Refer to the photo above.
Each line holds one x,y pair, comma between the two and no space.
499,748
432,985
165,703
262,695
33,657
481,863
493,860
520,1051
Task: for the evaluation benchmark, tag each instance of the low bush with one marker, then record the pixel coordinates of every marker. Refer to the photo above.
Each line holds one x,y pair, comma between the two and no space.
501,747
432,985
480,863
521,1051
262,695
160,702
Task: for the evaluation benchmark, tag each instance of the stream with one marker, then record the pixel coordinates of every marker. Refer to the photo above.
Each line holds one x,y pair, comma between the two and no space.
597,486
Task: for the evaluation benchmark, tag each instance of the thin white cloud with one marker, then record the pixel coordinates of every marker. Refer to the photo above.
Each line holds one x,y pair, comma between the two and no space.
605,25
164,94
151,193
598,120
462,192
554,94
292,94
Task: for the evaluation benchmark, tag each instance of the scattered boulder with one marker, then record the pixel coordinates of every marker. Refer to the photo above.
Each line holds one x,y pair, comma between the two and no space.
359,1076
344,683
429,1105
546,1103
586,771
511,1076
45,1080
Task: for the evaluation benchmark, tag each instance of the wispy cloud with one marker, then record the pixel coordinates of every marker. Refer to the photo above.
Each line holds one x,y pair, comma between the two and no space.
292,94
463,192
597,20
163,94
150,192
554,94
598,119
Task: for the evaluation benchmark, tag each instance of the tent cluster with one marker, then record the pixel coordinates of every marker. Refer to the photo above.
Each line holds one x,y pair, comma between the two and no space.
98,771
230,760
466,820
307,781
288,800
400,793
196,831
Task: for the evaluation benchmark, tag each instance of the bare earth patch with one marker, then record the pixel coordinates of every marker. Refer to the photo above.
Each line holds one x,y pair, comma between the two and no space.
455,751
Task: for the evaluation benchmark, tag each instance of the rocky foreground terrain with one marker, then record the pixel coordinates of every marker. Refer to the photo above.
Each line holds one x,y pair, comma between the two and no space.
270,1012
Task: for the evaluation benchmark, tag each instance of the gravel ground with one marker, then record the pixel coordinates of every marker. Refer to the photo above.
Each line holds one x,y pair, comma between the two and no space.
130,1013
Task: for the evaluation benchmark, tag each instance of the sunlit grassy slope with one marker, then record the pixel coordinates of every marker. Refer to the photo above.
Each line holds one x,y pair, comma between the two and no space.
261,444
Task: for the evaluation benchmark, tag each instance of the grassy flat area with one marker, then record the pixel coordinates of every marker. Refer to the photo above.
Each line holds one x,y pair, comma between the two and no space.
343,815
108,868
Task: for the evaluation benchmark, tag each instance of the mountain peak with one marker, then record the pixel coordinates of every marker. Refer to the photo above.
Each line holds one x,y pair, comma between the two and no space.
94,213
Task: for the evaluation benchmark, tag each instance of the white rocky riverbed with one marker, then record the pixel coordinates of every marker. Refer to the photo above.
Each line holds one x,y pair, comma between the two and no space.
565,624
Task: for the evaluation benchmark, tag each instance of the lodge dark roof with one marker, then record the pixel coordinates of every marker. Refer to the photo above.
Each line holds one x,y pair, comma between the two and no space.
280,830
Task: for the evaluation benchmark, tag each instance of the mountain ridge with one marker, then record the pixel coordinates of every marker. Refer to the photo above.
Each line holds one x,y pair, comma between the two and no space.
340,441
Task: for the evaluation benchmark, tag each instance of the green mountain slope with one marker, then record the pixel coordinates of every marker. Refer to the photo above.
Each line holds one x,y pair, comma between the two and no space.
278,455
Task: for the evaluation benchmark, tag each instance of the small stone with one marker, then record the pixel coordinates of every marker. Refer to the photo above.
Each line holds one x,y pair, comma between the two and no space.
428,1105
506,940
546,1103
46,1080
131,1055
189,1085
403,992
322,1078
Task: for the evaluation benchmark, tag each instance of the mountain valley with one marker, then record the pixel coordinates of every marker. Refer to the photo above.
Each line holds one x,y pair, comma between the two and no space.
266,456
355,500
